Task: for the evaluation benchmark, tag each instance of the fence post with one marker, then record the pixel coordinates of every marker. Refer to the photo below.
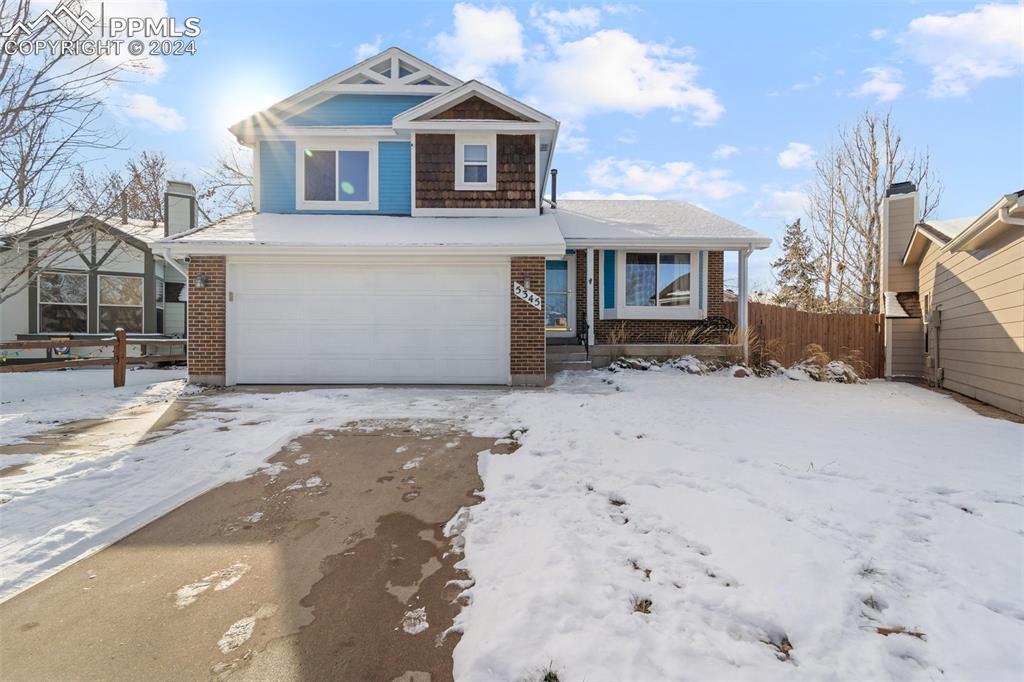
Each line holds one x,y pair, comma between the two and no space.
120,357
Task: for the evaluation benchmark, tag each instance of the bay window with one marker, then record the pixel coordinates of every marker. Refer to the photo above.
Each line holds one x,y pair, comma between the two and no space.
337,177
63,302
120,303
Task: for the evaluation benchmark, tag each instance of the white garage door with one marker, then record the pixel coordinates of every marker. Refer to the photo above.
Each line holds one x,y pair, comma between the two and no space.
343,323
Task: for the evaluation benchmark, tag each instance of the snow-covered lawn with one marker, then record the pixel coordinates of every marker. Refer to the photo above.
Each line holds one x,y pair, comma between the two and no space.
31,402
757,516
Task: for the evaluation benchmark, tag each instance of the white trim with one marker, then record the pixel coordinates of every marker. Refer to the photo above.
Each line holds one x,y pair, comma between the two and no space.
432,251
472,212
570,299
537,172
488,140
257,181
301,203
318,92
500,126
288,133
667,243
412,167
693,311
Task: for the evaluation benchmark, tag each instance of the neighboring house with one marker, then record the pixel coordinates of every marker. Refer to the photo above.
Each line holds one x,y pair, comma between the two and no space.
400,236
74,275
954,298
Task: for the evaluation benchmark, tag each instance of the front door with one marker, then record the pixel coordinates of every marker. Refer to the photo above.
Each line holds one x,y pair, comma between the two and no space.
559,301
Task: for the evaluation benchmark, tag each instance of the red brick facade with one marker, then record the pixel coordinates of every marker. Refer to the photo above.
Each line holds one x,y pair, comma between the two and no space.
645,331
515,176
527,325
206,319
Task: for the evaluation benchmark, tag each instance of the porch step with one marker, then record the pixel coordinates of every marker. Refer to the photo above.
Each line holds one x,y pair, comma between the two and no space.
575,356
572,365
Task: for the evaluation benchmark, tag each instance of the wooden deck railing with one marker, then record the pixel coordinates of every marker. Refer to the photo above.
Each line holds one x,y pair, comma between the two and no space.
119,359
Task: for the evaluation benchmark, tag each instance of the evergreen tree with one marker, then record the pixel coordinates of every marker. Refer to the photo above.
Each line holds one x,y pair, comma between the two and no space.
795,273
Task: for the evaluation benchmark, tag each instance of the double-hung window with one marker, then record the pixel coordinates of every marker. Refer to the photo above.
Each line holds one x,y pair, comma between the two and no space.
475,161
120,303
63,302
337,176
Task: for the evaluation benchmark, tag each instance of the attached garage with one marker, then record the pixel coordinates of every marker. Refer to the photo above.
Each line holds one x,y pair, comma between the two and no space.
344,322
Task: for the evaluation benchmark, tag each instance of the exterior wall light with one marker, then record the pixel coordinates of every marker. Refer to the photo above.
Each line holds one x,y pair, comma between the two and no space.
526,282
200,281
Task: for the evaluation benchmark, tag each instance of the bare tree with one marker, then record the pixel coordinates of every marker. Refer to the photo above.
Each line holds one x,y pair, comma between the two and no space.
136,192
845,205
51,120
226,189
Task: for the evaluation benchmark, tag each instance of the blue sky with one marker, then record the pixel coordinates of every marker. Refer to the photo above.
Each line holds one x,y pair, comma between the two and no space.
722,104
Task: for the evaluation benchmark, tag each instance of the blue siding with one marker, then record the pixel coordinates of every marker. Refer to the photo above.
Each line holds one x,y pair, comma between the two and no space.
356,110
394,176
277,177
608,268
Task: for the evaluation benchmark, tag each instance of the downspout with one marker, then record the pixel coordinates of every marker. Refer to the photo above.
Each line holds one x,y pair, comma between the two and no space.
174,264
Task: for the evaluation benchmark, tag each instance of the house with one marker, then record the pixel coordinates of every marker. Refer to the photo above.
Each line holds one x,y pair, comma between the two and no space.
954,298
70,274
401,235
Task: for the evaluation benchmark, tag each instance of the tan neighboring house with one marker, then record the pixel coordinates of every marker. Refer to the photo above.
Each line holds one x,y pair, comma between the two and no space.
953,295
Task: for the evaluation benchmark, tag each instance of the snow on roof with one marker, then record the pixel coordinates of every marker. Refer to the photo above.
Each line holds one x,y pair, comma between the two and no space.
525,235
15,223
638,221
893,307
951,227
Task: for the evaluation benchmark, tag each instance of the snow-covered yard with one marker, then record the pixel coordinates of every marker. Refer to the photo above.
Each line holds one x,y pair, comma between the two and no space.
652,525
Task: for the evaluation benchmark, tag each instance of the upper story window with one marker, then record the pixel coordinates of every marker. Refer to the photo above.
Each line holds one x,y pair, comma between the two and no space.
337,176
475,161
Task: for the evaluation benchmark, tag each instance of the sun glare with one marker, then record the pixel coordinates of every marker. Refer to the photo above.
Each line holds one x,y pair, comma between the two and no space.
244,96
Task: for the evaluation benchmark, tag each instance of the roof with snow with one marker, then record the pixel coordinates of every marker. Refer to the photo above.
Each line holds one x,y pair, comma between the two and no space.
18,224
951,227
528,235
608,223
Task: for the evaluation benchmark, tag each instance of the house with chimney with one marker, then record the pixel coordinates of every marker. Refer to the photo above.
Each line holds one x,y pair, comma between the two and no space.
79,276
405,232
953,296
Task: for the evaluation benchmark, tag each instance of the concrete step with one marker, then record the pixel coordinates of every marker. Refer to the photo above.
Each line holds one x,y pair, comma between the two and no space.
568,357
571,365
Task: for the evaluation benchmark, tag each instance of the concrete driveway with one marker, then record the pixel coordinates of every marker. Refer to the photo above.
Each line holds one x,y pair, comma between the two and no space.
331,564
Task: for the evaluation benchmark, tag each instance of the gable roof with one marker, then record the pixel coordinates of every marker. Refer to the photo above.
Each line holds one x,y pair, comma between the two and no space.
961,234
392,72
607,223
418,116
35,225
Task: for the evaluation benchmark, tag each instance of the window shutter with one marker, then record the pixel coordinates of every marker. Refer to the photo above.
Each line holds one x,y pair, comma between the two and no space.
608,268
700,280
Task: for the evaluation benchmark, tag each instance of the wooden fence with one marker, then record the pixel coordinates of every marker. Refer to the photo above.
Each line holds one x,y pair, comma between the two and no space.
119,359
788,332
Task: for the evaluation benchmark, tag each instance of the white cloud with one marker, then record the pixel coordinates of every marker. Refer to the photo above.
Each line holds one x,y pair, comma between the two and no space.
559,24
796,155
787,204
611,70
964,49
595,194
724,151
627,136
481,40
147,109
878,33
884,83
674,177
367,50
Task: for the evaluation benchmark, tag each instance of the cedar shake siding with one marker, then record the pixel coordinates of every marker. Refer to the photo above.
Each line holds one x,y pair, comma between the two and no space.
206,320
476,108
647,331
527,360
516,181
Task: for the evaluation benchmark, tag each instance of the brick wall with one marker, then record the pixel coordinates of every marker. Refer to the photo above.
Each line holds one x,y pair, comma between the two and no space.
527,324
515,181
477,108
206,320
646,331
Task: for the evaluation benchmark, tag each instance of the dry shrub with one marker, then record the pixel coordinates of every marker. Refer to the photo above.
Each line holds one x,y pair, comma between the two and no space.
855,359
617,336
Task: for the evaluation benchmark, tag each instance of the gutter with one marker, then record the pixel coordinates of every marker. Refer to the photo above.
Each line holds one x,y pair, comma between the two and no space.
248,249
725,243
1000,212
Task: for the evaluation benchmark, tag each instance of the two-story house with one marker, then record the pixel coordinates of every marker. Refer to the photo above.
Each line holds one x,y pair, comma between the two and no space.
401,236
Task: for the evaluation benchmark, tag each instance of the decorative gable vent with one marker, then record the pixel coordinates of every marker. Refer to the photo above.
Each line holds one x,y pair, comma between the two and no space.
394,71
